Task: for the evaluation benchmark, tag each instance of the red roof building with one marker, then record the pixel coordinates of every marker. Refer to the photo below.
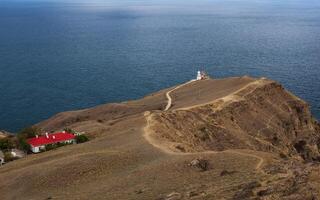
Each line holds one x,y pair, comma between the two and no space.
39,142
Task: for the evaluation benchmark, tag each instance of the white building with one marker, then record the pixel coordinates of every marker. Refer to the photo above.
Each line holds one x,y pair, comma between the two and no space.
199,76
1,158
16,153
39,142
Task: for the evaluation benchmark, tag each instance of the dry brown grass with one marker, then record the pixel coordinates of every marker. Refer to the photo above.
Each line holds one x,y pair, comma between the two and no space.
120,163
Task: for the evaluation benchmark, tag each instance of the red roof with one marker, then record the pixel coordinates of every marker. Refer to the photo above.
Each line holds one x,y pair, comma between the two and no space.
52,138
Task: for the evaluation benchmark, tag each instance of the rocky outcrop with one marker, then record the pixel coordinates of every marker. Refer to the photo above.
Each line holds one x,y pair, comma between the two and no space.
262,116
4,134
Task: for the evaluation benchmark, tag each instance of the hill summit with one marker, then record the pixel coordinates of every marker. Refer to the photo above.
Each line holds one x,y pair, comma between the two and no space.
232,138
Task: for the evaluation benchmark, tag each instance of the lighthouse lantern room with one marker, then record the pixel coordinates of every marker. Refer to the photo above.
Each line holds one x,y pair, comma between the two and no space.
201,75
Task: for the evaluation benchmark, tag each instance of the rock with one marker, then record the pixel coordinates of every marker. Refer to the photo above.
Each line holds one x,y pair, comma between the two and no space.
246,191
200,164
174,196
192,194
264,192
4,134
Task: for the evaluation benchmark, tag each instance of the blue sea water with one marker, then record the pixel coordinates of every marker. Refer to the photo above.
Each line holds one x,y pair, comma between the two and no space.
64,55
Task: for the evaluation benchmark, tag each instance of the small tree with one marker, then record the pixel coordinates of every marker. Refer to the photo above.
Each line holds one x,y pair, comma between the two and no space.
23,144
6,144
81,138
29,132
24,134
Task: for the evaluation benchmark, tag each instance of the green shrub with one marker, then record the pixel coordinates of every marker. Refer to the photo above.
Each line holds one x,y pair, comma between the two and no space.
6,144
81,138
61,144
29,132
8,157
24,134
50,147
69,130
23,144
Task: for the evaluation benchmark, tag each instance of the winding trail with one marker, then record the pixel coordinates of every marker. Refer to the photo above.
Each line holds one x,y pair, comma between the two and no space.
169,104
163,147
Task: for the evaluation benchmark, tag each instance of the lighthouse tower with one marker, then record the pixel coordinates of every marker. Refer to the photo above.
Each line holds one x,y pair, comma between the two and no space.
199,75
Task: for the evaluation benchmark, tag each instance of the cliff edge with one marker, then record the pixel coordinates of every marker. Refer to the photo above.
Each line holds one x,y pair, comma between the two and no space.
261,116
233,138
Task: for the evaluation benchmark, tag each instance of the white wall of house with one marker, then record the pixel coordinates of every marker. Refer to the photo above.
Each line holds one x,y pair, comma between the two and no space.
71,141
1,158
35,149
39,148
1,161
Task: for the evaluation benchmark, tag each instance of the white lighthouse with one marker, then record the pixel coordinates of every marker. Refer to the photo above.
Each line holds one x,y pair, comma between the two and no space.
199,76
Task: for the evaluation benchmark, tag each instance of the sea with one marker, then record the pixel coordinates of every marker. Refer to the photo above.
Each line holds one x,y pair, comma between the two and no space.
61,55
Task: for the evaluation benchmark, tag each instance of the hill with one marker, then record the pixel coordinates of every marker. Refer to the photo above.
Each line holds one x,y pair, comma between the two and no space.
4,134
233,138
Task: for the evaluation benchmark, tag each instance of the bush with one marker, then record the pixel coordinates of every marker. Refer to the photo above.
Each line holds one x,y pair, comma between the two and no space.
283,156
8,157
29,132
6,144
61,144
81,138
69,130
55,146
24,134
23,144
50,147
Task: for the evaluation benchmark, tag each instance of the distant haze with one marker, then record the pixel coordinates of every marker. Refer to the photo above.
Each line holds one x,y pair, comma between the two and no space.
61,55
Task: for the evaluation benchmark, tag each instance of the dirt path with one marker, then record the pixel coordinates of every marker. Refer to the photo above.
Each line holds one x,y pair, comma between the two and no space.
163,145
169,104
228,98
